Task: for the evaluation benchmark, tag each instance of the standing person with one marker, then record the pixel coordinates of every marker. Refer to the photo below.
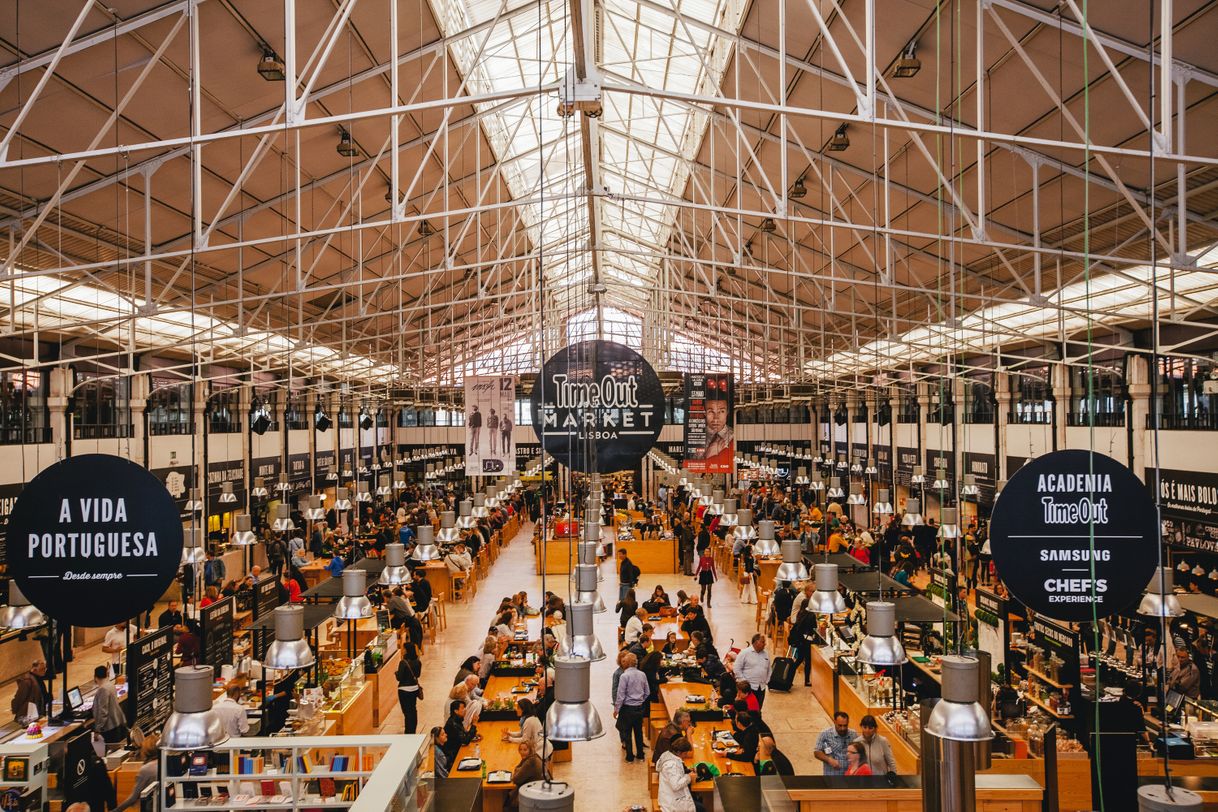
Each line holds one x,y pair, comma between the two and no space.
492,431
984,556
627,574
753,666
231,712
685,545
475,430
630,705
32,701
676,778
706,576
108,718
748,574
802,635
172,616
832,743
115,643
409,690
877,751
214,573
276,554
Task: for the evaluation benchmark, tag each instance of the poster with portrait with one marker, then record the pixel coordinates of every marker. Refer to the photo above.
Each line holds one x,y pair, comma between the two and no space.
490,414
710,440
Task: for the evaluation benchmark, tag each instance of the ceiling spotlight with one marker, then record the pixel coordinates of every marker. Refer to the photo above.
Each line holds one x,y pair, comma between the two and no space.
346,147
270,67
909,64
768,226
425,229
840,140
798,189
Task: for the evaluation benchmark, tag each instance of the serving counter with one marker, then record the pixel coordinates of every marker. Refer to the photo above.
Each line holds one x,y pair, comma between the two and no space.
995,793
654,556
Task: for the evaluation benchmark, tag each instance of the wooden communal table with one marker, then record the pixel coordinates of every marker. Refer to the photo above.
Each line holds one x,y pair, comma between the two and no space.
436,573
561,554
995,793
661,626
315,571
497,755
673,695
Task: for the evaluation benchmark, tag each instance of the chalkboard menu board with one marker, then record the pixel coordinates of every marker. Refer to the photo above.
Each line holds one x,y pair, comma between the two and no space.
217,624
150,679
266,597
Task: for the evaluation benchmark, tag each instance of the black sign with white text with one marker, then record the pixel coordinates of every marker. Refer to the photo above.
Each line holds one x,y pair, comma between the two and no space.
216,622
907,458
150,679
1075,533
603,406
94,540
1189,495
266,597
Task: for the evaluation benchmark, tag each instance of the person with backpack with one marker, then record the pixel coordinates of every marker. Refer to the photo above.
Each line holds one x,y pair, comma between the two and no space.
276,554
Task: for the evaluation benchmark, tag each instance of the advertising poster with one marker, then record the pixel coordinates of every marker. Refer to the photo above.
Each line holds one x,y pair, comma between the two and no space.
710,440
490,409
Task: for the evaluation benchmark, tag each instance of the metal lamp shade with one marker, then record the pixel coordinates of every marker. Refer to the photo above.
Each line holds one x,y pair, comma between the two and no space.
383,488
792,567
817,484
856,495
913,513
940,483
193,725
283,486
744,525
448,528
313,511
289,650
883,505
243,532
19,614
958,716
193,551
835,488
362,496
765,544
580,640
586,577
949,527
195,503
283,519
492,500
425,548
969,488
729,517
1159,600
479,510
395,572
571,717
881,647
465,515
801,476
826,600
354,604
342,499
869,468
919,476
227,496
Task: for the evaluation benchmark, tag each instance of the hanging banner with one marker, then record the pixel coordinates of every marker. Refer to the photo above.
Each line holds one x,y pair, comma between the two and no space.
710,438
94,540
1075,532
597,406
490,406
1190,495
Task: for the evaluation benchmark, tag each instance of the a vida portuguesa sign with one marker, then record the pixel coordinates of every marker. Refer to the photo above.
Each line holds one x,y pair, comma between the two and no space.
1074,534
597,406
94,540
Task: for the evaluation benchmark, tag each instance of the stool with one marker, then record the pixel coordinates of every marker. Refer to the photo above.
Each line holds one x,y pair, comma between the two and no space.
440,606
456,582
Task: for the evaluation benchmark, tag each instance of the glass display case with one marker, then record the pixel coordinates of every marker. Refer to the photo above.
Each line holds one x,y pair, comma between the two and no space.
906,723
875,690
340,688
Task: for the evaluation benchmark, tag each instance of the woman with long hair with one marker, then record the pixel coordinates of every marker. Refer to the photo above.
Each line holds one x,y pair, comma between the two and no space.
706,576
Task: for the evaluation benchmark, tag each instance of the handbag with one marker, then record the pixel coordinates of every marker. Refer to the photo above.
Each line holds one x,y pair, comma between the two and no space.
419,693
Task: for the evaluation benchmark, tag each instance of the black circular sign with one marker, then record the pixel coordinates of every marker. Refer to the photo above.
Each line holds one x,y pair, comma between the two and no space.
94,540
603,407
1042,528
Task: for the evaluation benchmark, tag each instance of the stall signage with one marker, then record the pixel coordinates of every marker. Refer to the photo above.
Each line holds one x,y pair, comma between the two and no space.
94,540
346,458
227,471
1186,494
150,679
266,597
323,464
1194,535
990,603
603,407
8,499
907,458
216,622
980,465
1075,533
883,460
266,467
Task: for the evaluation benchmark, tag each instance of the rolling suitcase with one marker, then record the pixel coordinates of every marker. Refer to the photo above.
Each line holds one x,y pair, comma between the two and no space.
782,675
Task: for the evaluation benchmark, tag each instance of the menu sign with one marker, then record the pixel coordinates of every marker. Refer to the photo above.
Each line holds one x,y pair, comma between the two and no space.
1075,533
984,467
299,472
883,461
265,467
266,597
907,458
323,464
216,621
150,679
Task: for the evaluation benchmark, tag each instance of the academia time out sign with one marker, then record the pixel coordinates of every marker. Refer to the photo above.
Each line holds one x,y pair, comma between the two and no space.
94,540
597,406
1074,533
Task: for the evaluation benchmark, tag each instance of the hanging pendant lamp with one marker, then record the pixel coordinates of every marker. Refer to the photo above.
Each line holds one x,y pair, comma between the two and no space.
289,650
395,572
571,717
193,725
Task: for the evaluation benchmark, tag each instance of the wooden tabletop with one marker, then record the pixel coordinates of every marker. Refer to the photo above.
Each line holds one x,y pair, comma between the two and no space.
498,754
674,694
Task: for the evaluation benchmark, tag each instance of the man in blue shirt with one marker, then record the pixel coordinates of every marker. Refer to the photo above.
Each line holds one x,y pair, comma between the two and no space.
831,744
630,705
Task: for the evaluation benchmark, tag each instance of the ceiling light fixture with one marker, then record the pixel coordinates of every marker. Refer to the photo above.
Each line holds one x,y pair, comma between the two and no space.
346,147
908,65
270,66
840,140
798,189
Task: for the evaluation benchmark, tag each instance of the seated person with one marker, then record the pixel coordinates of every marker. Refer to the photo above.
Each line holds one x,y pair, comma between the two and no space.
657,601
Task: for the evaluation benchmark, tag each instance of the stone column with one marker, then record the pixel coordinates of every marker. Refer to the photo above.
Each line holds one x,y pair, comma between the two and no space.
1138,374
59,387
1002,407
1059,375
137,402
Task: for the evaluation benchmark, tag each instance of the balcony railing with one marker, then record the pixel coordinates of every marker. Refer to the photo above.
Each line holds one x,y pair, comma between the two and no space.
17,435
170,428
1205,421
1099,419
1030,418
103,431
